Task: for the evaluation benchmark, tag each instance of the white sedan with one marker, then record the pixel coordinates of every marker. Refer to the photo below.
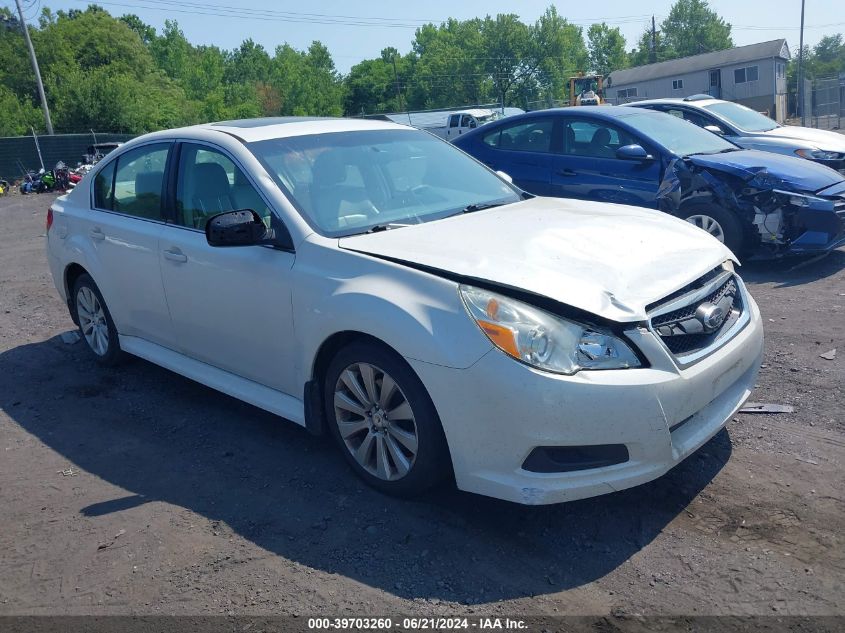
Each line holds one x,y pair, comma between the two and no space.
371,281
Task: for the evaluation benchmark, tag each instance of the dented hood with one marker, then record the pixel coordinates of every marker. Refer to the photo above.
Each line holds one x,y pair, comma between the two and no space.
787,172
610,260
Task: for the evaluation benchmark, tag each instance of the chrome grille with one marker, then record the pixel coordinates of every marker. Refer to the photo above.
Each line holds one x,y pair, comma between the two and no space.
701,320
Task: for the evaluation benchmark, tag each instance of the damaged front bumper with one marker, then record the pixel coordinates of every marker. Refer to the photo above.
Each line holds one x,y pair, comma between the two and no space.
778,218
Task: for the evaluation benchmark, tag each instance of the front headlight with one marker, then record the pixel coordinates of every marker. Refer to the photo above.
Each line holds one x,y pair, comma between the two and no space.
818,154
543,340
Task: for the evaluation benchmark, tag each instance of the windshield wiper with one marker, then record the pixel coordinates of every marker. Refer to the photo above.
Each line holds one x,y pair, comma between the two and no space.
378,228
471,208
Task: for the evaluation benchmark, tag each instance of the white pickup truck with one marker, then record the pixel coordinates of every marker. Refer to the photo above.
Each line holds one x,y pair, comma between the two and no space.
451,124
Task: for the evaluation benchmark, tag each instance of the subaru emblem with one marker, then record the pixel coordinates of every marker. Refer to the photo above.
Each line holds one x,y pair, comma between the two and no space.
710,315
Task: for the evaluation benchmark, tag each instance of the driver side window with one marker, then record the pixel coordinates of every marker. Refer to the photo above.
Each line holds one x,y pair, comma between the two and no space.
210,183
594,139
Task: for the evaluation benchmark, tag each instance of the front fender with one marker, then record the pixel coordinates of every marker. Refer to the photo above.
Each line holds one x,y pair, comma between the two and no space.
418,314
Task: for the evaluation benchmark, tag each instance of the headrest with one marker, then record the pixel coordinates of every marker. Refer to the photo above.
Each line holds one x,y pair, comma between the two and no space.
329,169
148,183
210,180
601,136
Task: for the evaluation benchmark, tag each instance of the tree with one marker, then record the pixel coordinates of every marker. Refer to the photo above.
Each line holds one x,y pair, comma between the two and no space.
642,54
828,57
511,56
447,66
692,27
16,115
560,52
607,49
144,30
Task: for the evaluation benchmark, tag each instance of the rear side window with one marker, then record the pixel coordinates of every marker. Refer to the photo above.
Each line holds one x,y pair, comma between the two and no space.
133,183
104,187
530,136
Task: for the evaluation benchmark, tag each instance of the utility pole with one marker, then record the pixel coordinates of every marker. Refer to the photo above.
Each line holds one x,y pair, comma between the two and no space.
35,69
652,53
801,70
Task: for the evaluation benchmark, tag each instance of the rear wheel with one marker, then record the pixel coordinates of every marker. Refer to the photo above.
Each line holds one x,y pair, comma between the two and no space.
384,421
718,222
95,322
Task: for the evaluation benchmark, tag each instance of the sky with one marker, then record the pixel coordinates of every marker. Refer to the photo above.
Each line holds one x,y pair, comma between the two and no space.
359,30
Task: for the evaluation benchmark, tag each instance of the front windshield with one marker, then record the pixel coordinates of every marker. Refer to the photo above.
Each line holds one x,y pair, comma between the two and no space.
349,182
680,137
742,117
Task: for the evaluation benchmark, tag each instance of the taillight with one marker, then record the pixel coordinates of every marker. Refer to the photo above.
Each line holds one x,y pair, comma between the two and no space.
49,218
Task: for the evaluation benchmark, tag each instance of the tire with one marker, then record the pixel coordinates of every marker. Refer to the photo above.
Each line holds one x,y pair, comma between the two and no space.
95,323
719,222
405,455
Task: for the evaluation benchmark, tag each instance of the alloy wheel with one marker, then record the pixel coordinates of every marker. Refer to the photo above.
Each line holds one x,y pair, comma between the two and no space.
376,421
92,321
708,224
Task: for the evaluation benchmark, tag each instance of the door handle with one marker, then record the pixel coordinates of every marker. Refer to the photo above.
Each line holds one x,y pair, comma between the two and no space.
97,234
175,255
567,172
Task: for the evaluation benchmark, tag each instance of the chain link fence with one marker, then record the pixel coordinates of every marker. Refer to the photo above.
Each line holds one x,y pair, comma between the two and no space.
20,153
825,103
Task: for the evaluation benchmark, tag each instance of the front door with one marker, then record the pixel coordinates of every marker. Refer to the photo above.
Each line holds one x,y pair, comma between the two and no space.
588,167
230,307
716,84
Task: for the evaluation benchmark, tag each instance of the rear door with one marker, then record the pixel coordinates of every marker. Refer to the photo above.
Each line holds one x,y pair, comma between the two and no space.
124,227
588,167
231,307
523,149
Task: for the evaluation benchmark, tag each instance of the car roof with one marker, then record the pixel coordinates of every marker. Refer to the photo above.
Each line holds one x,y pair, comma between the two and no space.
599,112
261,129
694,102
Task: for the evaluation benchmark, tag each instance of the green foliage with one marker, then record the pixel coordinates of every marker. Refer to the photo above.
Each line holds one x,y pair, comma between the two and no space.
691,28
607,49
16,115
121,75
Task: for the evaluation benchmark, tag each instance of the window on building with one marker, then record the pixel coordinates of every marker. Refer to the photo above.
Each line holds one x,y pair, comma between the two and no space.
677,84
781,70
743,75
626,93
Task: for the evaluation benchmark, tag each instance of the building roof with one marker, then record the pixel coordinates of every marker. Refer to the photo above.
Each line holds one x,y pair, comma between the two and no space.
705,61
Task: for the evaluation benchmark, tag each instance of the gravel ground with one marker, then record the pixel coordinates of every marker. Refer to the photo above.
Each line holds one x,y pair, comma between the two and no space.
137,491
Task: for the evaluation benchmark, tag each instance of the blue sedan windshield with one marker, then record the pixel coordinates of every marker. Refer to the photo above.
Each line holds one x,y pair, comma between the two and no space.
680,137
349,182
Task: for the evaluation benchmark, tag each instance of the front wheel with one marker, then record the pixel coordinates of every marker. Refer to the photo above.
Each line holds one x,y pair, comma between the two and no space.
718,222
384,421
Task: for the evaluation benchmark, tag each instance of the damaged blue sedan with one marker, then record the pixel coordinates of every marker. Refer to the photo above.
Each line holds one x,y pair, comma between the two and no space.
756,203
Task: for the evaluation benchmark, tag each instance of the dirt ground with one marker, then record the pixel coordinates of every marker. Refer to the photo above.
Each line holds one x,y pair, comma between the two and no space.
136,491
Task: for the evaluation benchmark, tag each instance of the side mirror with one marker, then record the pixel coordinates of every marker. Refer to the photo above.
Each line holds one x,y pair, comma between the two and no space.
715,129
633,152
505,177
236,228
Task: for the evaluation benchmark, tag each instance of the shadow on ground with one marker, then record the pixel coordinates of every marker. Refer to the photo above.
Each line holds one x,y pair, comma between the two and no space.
162,437
793,271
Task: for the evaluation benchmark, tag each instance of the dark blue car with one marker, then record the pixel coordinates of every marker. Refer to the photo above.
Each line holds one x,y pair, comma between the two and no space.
754,202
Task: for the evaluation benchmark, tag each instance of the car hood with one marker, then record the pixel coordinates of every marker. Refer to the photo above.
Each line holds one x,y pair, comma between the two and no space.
607,259
822,139
787,172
